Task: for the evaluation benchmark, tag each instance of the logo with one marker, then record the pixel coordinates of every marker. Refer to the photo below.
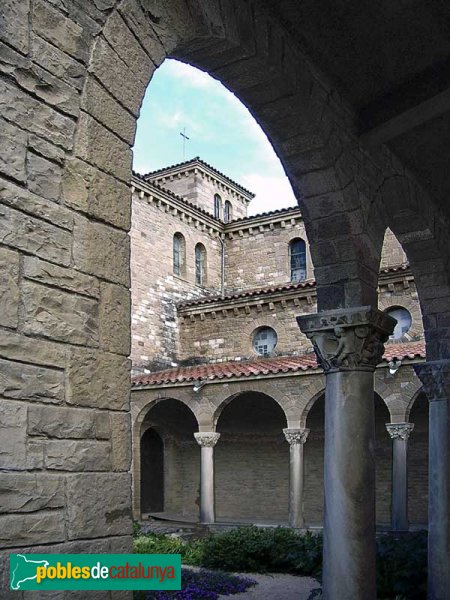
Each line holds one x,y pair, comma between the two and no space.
95,571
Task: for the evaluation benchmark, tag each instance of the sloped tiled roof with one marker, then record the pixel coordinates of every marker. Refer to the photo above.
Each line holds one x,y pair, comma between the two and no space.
269,213
198,160
262,366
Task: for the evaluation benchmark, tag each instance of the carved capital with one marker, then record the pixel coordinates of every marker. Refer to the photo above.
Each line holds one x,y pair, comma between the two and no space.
207,438
350,339
435,377
399,431
296,436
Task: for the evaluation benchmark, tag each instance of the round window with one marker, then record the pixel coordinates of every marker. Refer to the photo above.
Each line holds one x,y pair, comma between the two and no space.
264,340
404,321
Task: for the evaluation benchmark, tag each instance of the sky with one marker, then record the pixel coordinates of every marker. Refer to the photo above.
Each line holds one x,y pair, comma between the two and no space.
221,131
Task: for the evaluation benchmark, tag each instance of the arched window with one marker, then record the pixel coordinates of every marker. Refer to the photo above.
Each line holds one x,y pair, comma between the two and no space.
217,206
200,264
179,255
297,257
227,213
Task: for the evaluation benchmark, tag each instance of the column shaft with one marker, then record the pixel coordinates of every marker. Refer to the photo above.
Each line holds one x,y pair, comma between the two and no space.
399,515
349,483
439,502
207,513
207,441
296,439
435,376
349,345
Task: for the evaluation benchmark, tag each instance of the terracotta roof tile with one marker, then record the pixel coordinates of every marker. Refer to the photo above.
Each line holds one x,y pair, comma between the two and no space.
262,366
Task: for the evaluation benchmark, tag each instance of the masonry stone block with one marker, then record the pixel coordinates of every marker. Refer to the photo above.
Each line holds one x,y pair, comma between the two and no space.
33,115
44,177
30,492
137,21
67,279
98,504
25,349
99,146
95,193
105,109
29,382
13,433
57,62
9,287
13,142
115,309
52,25
53,91
120,81
32,528
59,422
14,23
59,315
46,148
21,199
101,250
120,441
128,48
99,380
77,455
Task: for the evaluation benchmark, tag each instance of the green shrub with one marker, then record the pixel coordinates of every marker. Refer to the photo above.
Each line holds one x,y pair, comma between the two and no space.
191,552
251,549
402,566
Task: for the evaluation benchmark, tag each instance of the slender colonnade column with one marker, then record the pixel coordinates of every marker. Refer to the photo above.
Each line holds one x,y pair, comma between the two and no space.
399,433
349,345
296,438
435,376
207,440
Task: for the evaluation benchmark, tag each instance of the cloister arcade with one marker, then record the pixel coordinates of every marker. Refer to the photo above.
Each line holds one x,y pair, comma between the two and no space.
365,145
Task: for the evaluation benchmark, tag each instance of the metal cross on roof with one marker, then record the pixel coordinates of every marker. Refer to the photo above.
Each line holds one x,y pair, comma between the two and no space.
185,137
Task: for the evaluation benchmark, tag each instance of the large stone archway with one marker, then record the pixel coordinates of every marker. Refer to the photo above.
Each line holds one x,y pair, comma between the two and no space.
73,80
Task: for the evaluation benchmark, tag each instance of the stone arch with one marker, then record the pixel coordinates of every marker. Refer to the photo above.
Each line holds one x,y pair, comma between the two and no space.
137,432
397,392
310,404
222,402
252,448
421,230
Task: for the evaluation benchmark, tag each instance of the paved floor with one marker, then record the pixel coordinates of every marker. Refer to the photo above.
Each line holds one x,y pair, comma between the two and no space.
277,587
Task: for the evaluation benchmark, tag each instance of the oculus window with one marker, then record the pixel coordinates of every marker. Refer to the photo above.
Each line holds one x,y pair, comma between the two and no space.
264,340
297,259
404,321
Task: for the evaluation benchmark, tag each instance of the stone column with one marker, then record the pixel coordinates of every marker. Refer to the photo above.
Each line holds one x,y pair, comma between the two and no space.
207,440
435,377
349,345
296,438
399,433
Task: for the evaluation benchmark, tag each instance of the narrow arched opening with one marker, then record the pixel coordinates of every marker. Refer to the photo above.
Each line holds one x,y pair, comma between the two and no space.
169,457
418,463
252,461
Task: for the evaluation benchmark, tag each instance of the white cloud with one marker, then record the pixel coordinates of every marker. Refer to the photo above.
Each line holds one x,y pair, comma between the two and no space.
271,193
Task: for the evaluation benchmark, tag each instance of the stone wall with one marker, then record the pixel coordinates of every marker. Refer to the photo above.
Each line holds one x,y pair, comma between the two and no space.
199,188
256,258
155,288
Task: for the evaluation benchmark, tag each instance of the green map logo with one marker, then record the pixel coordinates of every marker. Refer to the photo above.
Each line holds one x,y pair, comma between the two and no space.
95,572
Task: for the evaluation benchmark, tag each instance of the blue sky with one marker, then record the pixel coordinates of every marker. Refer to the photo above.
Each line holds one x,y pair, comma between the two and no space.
221,131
